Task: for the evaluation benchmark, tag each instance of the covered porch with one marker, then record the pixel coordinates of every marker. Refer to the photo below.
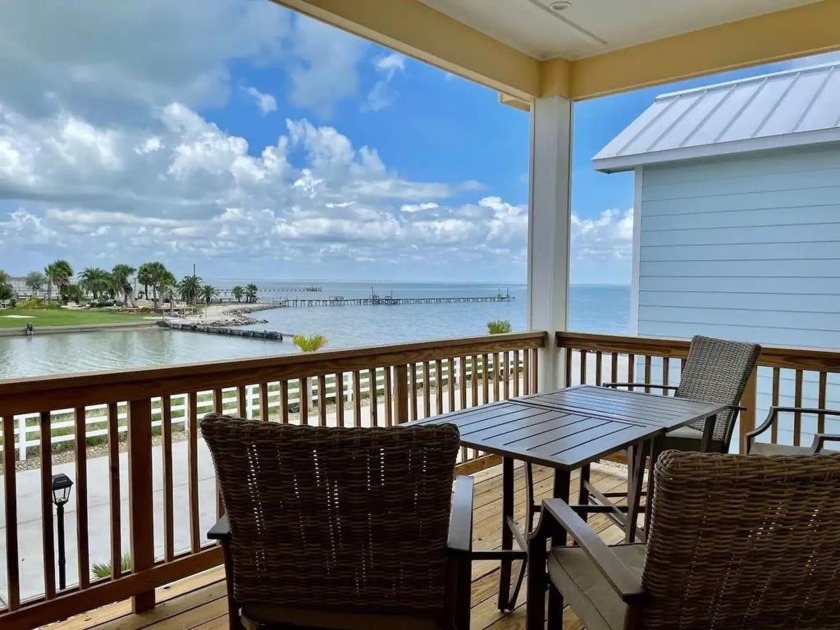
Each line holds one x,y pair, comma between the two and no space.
157,508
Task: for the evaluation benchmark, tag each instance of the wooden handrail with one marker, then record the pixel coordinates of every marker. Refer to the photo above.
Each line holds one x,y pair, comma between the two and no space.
17,395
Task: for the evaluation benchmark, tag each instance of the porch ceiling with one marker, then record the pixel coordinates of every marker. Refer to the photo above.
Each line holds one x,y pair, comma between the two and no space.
526,49
582,28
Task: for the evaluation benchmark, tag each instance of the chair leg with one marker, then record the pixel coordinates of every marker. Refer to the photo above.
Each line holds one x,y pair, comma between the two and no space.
555,607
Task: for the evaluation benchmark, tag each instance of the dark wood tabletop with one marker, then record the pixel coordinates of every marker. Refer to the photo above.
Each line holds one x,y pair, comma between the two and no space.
635,407
572,427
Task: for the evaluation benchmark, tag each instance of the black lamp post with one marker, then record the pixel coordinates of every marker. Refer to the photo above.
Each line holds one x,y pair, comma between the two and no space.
61,485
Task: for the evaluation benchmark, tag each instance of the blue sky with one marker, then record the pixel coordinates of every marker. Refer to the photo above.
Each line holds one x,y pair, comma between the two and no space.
267,145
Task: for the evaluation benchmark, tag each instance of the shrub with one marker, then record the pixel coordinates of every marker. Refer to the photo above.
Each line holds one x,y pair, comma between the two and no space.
102,570
498,327
37,304
309,344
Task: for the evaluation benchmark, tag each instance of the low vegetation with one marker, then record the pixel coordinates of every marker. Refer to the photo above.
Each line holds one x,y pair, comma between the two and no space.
42,317
498,327
312,343
102,570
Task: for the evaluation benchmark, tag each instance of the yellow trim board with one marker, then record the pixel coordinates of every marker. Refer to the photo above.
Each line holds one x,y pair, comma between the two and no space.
412,28
799,32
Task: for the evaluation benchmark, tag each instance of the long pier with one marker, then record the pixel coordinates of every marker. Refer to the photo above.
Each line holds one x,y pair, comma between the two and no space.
387,300
268,335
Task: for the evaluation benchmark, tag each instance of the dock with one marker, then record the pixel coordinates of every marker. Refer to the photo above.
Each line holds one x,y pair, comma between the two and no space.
387,300
268,335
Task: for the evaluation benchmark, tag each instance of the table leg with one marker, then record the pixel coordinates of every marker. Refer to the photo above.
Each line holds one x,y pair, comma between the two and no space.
583,495
635,481
562,480
507,535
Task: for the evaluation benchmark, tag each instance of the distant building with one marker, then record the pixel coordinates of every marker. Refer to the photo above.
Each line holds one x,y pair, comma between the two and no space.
737,213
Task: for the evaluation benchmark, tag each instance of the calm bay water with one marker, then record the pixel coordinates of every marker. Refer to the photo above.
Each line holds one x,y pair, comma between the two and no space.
591,308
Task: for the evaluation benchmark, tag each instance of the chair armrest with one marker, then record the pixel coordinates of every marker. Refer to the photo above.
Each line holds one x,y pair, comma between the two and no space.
221,530
821,438
773,414
623,582
461,521
666,388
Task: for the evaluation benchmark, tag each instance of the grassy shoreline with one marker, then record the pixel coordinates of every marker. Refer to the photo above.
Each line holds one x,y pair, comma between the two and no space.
66,318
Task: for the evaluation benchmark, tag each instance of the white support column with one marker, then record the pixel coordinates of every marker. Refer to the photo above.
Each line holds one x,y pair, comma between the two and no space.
549,211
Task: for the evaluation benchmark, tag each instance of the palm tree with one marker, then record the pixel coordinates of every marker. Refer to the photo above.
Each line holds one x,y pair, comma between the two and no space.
238,292
95,281
251,291
167,285
6,292
208,292
312,343
189,288
58,274
35,281
145,277
121,275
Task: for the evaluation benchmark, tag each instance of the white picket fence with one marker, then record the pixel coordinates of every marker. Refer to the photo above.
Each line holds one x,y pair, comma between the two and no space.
28,430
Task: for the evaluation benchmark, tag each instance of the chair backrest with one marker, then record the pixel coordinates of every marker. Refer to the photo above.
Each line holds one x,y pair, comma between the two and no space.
343,519
717,370
744,541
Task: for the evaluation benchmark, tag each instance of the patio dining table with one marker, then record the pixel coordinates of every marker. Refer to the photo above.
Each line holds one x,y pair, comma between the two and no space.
564,430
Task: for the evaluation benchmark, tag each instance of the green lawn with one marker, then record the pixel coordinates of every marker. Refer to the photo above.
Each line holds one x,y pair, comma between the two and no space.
64,317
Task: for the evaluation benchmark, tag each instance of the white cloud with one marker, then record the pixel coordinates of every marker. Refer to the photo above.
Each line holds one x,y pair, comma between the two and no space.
418,207
609,235
266,103
326,69
382,94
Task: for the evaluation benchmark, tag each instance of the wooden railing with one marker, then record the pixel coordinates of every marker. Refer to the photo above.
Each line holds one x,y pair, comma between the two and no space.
148,450
795,377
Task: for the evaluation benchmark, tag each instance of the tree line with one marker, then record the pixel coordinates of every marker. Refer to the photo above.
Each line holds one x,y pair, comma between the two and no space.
118,285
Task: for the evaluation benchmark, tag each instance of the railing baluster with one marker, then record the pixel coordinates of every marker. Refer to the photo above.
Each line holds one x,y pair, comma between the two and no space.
438,387
526,372
631,369
599,358
10,500
414,403
474,381
322,400
535,370
374,403
485,378
516,373
496,368
614,367
242,401
648,362
797,402
506,388
401,393
389,399
821,401
303,401
192,466
141,497
774,429
463,382
284,401
568,363
666,373
83,540
357,399
450,381
218,401
168,484
264,413
582,366
427,393
114,490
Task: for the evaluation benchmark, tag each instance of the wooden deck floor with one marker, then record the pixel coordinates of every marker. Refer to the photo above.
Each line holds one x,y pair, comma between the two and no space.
199,602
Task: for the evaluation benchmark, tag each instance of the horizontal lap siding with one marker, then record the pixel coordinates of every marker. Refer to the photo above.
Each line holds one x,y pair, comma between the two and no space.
746,247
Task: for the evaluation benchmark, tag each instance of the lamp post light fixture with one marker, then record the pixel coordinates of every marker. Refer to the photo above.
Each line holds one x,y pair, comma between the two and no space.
61,485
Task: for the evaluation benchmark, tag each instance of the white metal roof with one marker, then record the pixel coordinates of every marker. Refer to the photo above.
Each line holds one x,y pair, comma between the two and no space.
785,109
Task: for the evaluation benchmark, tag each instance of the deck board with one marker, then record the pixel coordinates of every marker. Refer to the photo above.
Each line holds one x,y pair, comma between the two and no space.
198,603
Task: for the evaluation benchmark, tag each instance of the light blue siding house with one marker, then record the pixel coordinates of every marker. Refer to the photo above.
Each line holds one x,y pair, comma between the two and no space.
737,214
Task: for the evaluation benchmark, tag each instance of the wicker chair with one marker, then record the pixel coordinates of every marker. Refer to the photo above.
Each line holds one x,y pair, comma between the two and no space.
717,371
342,528
770,427
737,541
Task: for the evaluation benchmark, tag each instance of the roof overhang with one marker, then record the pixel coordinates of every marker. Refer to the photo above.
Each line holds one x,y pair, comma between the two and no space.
630,162
413,28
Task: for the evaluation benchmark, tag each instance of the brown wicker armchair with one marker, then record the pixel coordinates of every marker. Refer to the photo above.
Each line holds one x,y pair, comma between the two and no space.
736,541
757,445
342,528
716,370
